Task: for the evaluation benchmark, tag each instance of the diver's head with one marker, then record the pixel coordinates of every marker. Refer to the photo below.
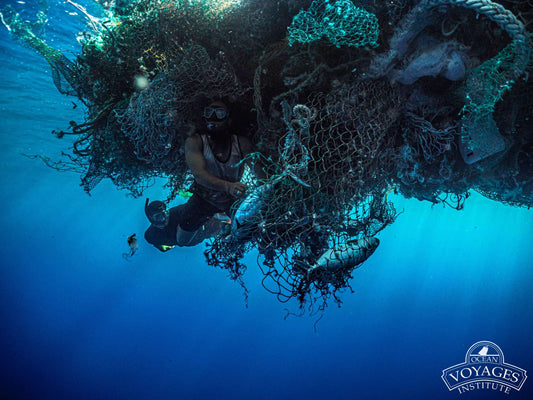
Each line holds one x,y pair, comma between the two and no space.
157,213
216,116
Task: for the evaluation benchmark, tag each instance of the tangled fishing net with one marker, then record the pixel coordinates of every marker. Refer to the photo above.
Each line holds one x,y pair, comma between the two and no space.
347,101
341,22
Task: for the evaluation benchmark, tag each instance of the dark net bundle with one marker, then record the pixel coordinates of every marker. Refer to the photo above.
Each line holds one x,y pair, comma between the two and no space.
462,126
134,132
254,25
292,74
158,118
330,144
200,77
339,122
176,40
341,22
111,155
173,45
508,176
142,42
153,41
151,123
510,181
523,9
427,161
351,136
330,185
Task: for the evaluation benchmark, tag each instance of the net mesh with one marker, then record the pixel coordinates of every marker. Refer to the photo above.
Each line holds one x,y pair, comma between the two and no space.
329,186
341,22
334,132
64,74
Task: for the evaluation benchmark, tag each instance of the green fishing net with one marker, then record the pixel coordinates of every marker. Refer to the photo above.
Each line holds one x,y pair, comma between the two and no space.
335,140
341,22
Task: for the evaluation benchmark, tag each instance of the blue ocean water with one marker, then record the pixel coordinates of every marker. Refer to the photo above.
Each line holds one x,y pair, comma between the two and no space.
78,321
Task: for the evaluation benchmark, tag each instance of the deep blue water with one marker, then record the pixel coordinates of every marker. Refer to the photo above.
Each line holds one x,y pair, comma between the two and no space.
77,321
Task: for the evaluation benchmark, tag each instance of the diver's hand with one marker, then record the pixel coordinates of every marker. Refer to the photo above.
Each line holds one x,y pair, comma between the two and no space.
237,189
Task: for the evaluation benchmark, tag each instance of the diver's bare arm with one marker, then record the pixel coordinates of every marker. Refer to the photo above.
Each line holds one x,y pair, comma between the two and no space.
247,147
196,163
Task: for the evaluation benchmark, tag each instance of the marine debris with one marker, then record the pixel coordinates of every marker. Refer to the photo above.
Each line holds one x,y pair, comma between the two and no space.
346,101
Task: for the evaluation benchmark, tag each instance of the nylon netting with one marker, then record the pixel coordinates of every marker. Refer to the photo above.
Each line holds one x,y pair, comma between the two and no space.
329,186
159,118
336,132
200,77
150,121
341,22
484,87
64,73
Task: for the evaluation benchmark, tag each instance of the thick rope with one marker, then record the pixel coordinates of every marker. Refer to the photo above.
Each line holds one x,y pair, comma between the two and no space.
505,19
419,17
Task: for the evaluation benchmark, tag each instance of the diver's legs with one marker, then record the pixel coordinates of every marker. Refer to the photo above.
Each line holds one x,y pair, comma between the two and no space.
196,222
187,238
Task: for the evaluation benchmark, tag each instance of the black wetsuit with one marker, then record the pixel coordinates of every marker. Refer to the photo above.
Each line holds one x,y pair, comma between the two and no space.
165,238
189,216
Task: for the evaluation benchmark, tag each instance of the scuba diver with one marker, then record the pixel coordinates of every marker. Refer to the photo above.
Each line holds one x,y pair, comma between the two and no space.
214,157
162,233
